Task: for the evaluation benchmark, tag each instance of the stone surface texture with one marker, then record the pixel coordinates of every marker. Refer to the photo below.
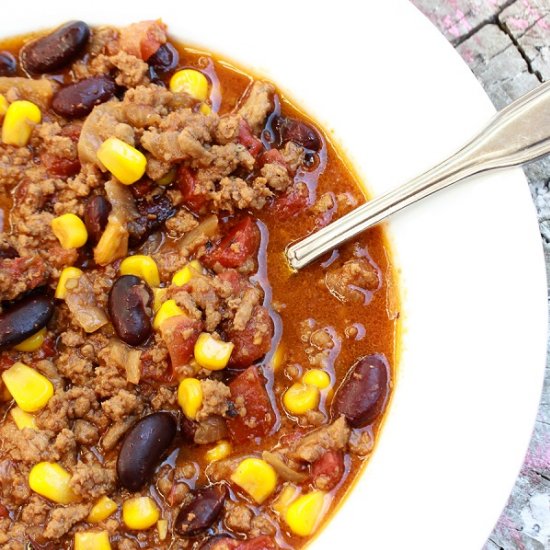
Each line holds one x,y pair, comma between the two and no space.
506,43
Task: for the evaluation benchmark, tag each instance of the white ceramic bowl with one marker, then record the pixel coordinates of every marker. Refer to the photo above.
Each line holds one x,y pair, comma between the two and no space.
398,99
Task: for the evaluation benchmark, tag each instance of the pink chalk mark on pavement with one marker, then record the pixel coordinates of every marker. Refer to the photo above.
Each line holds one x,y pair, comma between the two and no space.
534,15
517,24
538,457
457,25
510,528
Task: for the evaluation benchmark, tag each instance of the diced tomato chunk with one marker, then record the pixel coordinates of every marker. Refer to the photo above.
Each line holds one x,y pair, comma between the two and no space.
239,283
60,167
240,244
248,390
328,470
186,183
248,139
4,513
6,362
180,334
72,131
254,341
48,348
259,543
152,370
226,543
220,542
292,203
143,39
273,156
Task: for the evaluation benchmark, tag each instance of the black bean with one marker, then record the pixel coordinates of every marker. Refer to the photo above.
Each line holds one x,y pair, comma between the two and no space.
130,302
143,448
154,211
8,252
57,49
202,511
8,64
24,318
363,394
165,59
96,214
290,129
78,99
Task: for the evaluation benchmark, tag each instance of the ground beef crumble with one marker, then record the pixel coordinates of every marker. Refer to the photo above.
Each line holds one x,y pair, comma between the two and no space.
208,170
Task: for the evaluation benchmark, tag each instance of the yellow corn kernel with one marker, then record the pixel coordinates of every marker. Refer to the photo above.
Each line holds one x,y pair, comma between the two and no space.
159,297
316,377
141,266
190,397
167,309
211,353
140,513
301,398
205,109
70,231
102,509
125,162
23,419
256,477
168,178
305,513
191,82
32,343
19,121
113,244
68,274
219,452
3,105
51,481
278,357
162,528
30,389
92,540
288,495
185,274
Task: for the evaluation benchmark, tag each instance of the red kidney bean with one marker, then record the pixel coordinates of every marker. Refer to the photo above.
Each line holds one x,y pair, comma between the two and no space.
96,213
165,59
57,49
130,302
8,64
297,131
202,511
78,99
143,448
363,394
24,318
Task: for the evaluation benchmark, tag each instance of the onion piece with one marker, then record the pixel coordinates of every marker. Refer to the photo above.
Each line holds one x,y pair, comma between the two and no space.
82,303
283,469
128,359
207,228
39,91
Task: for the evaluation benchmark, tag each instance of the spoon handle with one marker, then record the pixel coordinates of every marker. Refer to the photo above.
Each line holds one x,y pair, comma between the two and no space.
517,134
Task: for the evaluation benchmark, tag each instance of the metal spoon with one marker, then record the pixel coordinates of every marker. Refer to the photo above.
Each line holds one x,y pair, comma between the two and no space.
518,134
